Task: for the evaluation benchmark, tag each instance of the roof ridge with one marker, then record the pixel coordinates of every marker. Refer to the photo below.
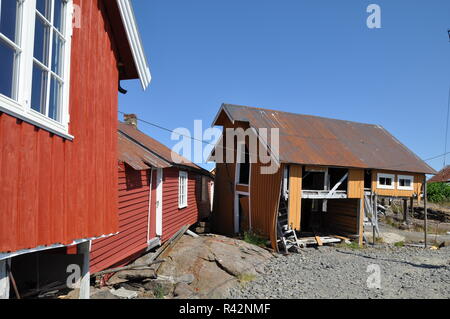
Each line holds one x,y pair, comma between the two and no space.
301,114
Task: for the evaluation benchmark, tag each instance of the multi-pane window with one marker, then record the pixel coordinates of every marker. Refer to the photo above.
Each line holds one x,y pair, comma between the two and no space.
405,182
10,46
48,58
182,189
34,52
386,181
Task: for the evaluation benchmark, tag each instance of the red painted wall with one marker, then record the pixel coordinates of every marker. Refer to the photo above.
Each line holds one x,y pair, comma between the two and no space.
134,195
53,190
174,218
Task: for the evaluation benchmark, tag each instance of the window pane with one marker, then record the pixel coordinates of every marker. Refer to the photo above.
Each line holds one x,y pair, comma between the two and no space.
388,181
7,69
58,19
8,14
44,7
55,99
57,54
41,41
39,91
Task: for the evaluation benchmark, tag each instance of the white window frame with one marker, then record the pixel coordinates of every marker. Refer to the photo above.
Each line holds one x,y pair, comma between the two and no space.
407,177
21,106
183,189
391,176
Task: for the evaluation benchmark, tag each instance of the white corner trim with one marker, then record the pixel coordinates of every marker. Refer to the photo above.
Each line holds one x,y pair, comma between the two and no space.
41,248
134,39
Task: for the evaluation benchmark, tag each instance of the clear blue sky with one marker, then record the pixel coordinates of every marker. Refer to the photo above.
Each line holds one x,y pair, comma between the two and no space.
305,56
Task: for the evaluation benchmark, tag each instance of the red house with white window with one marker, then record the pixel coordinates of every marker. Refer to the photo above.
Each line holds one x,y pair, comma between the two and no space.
61,63
159,192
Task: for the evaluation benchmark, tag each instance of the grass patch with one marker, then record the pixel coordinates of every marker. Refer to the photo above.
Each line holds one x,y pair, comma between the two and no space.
158,291
352,245
244,278
254,239
399,244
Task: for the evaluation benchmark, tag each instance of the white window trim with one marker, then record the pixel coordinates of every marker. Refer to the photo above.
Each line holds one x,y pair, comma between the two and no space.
21,108
391,176
183,200
408,188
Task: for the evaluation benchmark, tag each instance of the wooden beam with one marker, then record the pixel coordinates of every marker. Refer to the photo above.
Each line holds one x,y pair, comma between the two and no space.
425,220
361,221
330,194
318,240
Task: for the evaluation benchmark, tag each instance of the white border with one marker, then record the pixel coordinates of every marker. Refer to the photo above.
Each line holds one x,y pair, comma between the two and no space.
159,201
186,175
41,248
392,176
406,188
134,39
21,108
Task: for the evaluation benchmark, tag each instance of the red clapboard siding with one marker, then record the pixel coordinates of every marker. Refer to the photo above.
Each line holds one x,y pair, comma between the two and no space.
133,200
54,191
174,218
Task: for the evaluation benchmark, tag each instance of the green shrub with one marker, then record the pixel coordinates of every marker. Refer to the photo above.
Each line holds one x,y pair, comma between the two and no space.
438,192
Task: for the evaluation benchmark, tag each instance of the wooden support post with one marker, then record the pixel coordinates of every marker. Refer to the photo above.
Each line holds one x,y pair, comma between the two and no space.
411,206
425,221
360,221
374,218
4,279
405,211
84,249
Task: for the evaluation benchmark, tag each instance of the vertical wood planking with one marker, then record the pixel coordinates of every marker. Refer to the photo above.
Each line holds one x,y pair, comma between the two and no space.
295,196
355,187
59,191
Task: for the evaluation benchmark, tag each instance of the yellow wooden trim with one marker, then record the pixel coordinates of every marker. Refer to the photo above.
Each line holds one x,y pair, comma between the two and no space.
295,196
355,183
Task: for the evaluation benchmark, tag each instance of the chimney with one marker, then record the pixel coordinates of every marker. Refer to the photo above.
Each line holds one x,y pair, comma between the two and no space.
130,119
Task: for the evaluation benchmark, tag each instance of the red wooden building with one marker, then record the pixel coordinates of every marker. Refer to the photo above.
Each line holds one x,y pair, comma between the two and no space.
62,61
159,192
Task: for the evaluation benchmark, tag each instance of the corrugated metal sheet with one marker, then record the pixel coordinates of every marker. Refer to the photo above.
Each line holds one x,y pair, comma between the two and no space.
313,140
442,176
156,147
55,191
136,156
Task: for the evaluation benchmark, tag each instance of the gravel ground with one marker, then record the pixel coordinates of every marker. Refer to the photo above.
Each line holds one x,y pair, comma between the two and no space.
331,272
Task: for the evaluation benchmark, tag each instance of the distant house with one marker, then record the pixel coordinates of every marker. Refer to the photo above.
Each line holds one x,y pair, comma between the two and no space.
327,169
62,61
443,176
159,192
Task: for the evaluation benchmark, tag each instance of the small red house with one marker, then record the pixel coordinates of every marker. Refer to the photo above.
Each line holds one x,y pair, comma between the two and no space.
159,192
62,61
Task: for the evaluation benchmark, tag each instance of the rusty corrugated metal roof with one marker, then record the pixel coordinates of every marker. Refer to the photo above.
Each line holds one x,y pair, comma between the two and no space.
138,157
313,140
155,148
443,176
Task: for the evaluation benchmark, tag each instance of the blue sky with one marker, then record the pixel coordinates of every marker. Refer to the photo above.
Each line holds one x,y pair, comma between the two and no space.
305,56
